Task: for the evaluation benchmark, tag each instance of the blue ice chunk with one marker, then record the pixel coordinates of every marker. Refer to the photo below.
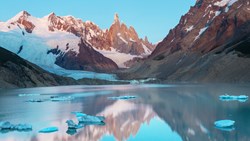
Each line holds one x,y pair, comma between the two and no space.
78,114
224,123
72,125
88,119
5,125
23,127
24,95
19,127
49,130
226,97
62,98
122,97
35,100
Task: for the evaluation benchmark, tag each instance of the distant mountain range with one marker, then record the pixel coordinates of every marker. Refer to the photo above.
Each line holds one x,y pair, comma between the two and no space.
211,43
70,43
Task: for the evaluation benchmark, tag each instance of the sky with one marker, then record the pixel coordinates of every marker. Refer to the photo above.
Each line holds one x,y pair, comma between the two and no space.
151,18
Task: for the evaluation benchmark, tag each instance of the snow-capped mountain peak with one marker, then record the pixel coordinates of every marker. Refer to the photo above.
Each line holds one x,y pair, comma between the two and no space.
63,33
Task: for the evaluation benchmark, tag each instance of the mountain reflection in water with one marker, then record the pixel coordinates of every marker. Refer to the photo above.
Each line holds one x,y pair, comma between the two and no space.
161,112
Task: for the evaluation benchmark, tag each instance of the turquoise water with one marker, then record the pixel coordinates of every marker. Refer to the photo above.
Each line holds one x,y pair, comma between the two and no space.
160,113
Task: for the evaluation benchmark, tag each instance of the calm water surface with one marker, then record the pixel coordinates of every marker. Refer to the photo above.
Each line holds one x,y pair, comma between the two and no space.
160,113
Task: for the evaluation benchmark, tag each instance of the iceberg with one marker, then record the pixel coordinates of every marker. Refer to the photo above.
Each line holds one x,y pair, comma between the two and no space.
142,81
224,123
12,127
24,95
49,130
35,100
226,97
62,98
88,119
122,97
72,125
23,127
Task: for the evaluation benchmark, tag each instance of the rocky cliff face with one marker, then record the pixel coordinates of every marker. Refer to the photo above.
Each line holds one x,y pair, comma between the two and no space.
210,43
208,25
87,59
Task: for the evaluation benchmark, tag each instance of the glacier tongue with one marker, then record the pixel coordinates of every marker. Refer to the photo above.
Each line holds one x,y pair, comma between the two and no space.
35,50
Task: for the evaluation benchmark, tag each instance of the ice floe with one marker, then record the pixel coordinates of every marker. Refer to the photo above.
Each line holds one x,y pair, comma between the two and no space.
88,119
23,95
224,123
7,126
240,98
122,97
35,100
72,125
49,130
62,98
142,81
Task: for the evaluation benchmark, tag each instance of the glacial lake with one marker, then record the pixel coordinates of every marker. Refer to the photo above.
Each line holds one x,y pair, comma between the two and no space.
158,113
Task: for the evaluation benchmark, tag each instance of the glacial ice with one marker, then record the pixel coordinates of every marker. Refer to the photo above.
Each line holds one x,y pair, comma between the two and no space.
49,130
72,125
224,123
142,81
5,125
24,95
122,97
62,98
226,97
88,119
35,100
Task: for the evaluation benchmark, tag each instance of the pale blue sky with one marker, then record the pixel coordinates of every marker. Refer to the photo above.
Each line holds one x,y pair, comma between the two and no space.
152,18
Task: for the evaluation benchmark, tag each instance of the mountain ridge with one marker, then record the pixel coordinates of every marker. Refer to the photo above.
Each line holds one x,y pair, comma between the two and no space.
118,39
212,33
118,44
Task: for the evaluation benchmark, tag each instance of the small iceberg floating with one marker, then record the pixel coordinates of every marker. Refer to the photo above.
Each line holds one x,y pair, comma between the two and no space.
49,130
62,98
88,119
122,97
24,95
241,98
72,125
11,127
224,123
35,100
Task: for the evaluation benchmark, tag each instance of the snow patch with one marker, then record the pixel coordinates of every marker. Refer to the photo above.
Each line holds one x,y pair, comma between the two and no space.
201,32
225,2
119,35
117,57
189,28
146,50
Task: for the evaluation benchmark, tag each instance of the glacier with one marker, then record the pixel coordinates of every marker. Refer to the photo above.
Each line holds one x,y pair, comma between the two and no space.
34,49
